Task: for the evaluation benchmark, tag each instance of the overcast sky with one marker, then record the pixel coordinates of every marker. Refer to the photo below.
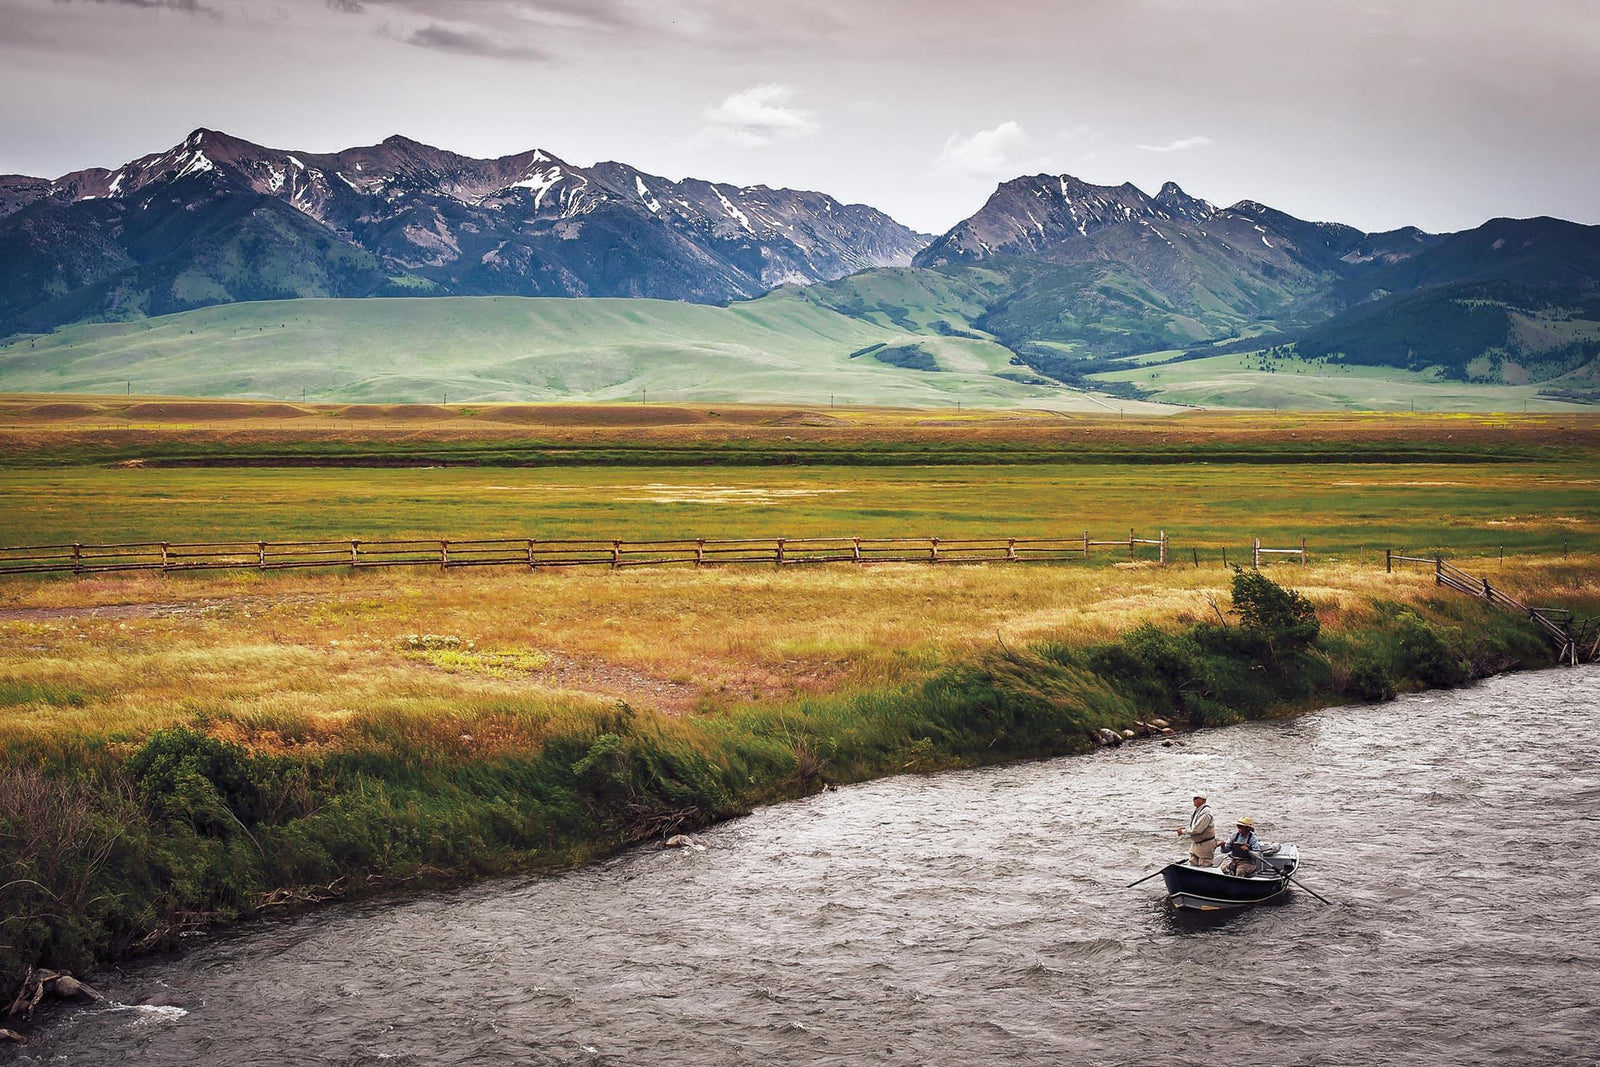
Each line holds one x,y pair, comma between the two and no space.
1440,113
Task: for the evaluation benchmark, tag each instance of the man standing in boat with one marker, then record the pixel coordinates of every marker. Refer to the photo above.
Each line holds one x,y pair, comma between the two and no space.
1244,850
1202,837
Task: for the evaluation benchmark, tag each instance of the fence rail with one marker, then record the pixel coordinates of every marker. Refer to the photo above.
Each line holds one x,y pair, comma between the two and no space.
1578,640
534,553
1259,552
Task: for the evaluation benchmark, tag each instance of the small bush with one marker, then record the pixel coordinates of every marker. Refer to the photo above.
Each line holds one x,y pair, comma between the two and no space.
1424,655
1283,618
183,775
1369,681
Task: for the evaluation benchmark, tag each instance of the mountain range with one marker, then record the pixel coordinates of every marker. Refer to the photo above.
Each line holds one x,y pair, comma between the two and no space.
1070,280
217,219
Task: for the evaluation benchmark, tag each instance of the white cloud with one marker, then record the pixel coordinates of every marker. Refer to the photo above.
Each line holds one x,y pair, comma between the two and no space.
758,116
985,154
1182,144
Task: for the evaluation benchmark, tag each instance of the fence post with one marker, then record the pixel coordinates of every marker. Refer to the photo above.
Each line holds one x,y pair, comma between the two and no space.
1438,570
779,557
444,554
855,549
1302,551
530,555
933,550
1163,548
164,546
1086,544
616,554
1388,561
77,558
355,553
261,555
700,552
1011,549
1488,594
1255,559
1131,553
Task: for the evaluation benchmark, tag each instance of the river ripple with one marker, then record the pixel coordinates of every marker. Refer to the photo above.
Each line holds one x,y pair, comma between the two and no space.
982,916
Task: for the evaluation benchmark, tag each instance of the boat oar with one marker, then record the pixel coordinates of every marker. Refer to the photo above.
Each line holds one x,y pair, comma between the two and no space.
1146,878
1308,889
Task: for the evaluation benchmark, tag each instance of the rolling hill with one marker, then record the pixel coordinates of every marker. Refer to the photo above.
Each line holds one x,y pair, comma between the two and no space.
781,348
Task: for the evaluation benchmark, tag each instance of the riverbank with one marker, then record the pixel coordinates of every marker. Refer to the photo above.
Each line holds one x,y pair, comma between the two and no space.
216,779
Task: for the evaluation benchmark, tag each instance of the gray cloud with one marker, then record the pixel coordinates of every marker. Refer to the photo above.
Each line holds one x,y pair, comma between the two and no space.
1182,144
190,7
469,43
759,116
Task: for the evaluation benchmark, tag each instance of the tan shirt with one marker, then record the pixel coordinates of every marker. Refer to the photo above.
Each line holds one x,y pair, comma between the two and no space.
1200,824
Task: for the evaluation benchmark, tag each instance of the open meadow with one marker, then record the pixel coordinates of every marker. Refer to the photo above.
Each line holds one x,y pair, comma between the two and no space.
145,649
242,738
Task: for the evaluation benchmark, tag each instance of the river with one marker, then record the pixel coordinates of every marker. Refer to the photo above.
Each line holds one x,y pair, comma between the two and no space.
981,917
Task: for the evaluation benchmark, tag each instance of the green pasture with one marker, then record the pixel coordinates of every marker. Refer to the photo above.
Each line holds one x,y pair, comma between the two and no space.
1236,381
1340,508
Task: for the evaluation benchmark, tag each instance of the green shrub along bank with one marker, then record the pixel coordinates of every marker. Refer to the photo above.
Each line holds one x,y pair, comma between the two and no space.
108,848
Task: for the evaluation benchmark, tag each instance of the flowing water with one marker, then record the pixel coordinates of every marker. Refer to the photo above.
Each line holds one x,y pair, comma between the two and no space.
981,917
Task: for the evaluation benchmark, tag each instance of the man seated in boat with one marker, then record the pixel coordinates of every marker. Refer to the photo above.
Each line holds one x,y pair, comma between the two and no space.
1202,837
1244,850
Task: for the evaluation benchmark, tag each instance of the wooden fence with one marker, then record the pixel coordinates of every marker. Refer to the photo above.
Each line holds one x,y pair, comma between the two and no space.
1578,640
534,553
1259,552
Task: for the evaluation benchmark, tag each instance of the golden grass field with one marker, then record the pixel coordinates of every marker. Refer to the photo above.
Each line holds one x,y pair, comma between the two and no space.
293,659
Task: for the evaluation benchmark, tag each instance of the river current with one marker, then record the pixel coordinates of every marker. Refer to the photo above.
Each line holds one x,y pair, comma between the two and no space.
981,917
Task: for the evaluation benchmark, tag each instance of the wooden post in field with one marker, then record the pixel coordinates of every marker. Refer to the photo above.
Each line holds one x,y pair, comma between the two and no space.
933,550
779,555
1438,570
1255,559
616,554
1131,553
1011,549
1302,551
444,554
1224,557
77,558
700,552
261,555
855,549
1086,544
355,553
1488,594
1196,553
531,564
1163,548
164,546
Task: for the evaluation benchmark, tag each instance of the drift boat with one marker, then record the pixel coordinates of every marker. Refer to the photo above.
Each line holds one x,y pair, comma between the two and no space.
1208,889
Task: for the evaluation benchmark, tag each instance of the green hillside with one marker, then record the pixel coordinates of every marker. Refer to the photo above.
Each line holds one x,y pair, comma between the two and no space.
1251,380
781,348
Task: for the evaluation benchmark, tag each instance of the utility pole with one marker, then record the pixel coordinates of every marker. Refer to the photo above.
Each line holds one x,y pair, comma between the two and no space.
644,395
